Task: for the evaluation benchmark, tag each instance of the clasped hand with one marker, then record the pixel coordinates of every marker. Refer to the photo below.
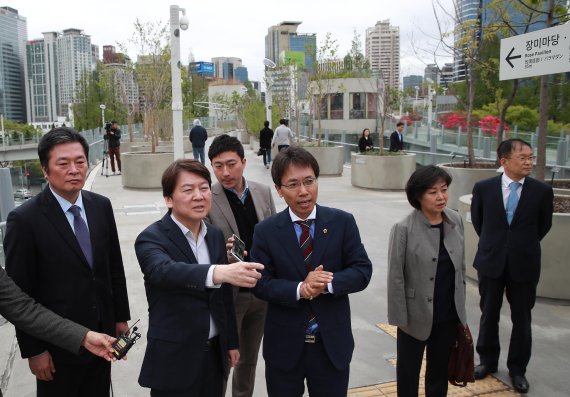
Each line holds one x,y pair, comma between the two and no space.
315,283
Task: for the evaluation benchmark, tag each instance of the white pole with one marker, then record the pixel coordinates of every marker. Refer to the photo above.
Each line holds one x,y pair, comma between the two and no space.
429,106
176,82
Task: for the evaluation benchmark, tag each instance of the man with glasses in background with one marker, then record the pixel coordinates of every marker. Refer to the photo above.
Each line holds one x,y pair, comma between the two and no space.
313,259
511,213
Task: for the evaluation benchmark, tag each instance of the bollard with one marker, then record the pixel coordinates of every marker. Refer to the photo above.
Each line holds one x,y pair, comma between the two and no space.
487,147
6,194
458,136
562,157
415,130
479,138
433,149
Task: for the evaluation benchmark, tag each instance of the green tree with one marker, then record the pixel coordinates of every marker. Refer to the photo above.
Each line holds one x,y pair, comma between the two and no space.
153,77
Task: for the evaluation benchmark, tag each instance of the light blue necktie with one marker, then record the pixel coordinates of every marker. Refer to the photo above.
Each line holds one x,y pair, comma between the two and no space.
512,201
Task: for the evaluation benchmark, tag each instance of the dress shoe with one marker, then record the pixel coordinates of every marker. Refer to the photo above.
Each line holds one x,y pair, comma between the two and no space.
520,383
482,370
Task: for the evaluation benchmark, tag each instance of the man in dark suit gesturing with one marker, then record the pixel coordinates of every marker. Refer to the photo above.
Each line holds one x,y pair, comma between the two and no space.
237,206
313,259
192,336
511,213
62,248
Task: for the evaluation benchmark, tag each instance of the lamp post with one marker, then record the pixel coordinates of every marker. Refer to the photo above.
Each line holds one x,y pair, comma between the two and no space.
177,22
269,64
430,97
102,107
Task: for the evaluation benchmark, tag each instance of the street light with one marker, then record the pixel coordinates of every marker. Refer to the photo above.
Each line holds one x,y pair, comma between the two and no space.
269,64
102,107
177,22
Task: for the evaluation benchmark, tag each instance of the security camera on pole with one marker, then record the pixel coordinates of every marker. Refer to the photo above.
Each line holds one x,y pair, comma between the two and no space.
177,22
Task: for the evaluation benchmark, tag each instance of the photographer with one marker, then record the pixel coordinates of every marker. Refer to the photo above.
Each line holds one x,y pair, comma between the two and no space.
113,135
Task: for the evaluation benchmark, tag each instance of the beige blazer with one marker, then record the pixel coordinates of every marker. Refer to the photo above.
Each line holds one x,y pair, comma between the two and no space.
412,265
221,213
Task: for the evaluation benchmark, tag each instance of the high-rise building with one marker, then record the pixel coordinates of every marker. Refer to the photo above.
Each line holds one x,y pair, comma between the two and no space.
75,61
240,73
446,75
13,73
284,37
432,72
412,81
383,51
42,97
57,62
224,67
483,12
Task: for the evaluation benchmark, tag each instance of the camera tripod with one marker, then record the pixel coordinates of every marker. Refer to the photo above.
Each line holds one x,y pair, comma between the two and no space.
105,164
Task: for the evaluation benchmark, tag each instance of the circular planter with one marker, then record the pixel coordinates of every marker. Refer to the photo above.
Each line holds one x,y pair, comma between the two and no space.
560,190
254,144
463,181
555,273
388,172
143,170
330,159
243,136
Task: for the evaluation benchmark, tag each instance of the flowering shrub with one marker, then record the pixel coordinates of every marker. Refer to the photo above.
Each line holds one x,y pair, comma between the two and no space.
453,120
406,120
490,125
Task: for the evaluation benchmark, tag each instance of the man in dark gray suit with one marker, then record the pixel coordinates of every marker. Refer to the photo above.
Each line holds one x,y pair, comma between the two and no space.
237,206
36,320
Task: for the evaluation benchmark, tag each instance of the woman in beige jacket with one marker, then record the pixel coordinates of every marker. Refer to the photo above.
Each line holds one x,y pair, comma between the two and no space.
426,283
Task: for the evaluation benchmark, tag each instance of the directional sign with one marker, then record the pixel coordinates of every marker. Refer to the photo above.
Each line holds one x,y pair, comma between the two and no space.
545,51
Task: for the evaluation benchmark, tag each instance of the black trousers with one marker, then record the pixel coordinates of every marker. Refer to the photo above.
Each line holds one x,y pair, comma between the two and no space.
323,379
282,147
410,354
521,297
90,380
210,381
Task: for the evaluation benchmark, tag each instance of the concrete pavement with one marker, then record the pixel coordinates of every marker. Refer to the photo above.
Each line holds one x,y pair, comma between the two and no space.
373,360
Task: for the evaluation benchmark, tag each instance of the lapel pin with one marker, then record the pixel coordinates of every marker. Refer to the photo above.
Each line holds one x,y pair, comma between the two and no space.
325,231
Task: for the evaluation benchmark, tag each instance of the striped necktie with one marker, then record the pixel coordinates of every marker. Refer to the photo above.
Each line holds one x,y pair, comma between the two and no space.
306,242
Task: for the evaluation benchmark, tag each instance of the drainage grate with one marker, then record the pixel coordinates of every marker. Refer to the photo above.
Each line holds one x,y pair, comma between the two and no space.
142,209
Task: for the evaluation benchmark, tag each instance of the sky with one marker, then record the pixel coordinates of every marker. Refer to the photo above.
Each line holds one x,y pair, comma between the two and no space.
238,28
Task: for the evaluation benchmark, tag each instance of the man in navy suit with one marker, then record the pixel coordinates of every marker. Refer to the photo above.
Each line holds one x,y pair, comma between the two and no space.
511,213
62,248
397,138
192,334
313,259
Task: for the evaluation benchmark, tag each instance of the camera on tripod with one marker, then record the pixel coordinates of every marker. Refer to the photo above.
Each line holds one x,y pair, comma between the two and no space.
107,127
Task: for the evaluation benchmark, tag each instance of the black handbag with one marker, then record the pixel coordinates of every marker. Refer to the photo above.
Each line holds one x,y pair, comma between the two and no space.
261,152
460,369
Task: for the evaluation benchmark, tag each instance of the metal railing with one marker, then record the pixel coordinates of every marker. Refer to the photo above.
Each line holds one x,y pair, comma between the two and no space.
442,144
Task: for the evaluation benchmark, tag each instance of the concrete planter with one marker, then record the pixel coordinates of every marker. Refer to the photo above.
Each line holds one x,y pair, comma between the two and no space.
555,274
561,191
330,158
463,181
243,137
143,170
389,172
254,144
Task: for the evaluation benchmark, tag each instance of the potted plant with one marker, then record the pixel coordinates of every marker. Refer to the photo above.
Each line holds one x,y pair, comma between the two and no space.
379,169
144,168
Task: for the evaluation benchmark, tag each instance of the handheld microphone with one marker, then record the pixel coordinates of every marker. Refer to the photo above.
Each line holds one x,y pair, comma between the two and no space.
125,341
